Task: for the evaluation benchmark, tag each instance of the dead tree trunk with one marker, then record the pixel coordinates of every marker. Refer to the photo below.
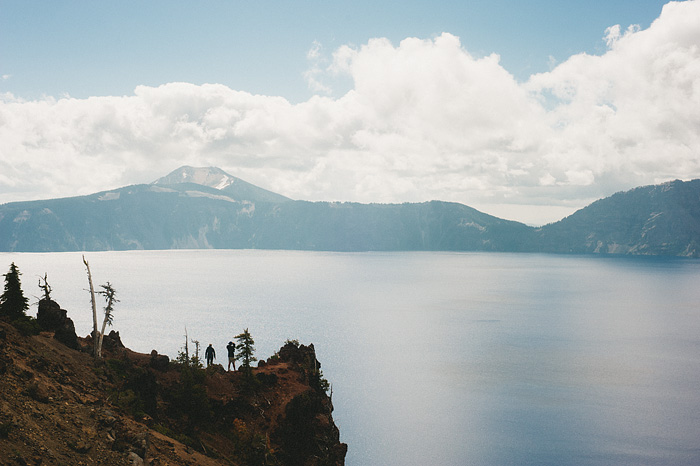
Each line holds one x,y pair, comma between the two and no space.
94,311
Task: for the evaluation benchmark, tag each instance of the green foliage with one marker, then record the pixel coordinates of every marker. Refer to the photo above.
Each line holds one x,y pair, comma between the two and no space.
26,325
183,356
13,303
128,401
188,399
250,447
294,342
137,389
246,349
109,294
182,438
196,362
118,368
183,359
317,381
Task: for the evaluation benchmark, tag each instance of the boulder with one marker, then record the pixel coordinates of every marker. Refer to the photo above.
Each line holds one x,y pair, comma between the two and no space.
50,315
303,355
159,362
112,341
52,318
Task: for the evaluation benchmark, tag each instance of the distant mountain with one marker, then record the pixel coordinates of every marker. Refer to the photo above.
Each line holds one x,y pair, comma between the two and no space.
651,220
208,208
213,177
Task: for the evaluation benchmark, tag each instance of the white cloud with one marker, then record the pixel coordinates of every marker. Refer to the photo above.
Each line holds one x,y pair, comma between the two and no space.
424,120
631,115
315,73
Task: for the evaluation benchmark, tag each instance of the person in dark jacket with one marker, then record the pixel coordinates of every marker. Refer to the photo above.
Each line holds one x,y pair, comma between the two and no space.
231,347
210,354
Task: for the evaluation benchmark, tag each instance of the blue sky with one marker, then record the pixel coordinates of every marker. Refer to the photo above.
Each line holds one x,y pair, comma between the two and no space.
87,48
524,110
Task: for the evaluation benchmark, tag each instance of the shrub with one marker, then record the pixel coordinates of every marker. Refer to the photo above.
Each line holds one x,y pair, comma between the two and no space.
26,325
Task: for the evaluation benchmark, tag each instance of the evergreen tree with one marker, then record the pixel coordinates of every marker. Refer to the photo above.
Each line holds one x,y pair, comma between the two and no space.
247,348
13,303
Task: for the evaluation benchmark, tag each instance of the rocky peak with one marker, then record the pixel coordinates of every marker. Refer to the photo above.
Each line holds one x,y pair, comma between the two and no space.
211,177
216,178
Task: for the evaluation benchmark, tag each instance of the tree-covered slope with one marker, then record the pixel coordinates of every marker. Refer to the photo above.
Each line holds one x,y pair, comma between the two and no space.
650,220
207,208
194,216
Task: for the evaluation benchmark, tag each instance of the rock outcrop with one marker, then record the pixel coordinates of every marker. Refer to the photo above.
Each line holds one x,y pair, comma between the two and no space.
52,318
59,406
307,429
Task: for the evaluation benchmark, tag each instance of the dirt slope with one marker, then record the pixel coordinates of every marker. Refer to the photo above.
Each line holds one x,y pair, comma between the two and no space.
59,407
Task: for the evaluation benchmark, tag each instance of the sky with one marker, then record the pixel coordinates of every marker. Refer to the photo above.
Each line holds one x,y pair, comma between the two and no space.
523,110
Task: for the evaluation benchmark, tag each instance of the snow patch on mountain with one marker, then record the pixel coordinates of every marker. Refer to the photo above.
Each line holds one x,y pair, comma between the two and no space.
211,177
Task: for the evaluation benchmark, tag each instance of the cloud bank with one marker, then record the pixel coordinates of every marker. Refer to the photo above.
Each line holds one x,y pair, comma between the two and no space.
424,120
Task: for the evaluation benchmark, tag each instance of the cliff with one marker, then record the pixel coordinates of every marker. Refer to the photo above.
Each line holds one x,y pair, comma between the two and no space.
59,406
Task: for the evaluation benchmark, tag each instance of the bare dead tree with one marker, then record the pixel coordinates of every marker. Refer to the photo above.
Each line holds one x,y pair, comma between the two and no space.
196,348
46,288
183,357
94,309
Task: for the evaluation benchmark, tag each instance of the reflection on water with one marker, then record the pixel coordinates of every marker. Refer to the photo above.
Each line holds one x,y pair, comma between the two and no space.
439,358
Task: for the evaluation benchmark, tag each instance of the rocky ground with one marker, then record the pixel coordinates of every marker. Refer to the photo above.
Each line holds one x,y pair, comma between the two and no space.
59,406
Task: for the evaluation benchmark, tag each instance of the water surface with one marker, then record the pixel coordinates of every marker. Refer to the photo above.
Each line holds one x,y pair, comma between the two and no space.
438,358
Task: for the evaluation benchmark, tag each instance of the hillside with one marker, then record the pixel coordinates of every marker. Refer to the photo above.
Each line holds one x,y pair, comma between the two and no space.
197,208
59,407
650,220
175,213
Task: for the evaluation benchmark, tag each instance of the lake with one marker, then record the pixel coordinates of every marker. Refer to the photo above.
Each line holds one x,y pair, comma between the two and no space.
437,358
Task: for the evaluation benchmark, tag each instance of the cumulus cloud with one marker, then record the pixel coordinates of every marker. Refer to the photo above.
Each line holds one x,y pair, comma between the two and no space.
317,70
425,119
632,115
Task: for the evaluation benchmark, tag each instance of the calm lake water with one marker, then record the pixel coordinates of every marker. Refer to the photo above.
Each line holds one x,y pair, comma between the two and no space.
437,358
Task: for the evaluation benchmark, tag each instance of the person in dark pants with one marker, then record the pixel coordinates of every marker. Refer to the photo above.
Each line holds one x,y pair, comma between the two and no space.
210,354
231,347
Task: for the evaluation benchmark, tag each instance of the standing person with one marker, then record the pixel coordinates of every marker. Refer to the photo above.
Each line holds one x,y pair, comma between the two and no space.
210,354
231,347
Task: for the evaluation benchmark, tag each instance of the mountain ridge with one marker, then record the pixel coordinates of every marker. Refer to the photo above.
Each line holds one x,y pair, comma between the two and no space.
178,211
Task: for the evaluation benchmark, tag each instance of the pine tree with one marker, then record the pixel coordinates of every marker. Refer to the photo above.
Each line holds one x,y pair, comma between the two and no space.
13,303
247,348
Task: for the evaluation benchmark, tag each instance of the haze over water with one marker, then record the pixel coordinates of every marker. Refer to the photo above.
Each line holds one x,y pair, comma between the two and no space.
437,358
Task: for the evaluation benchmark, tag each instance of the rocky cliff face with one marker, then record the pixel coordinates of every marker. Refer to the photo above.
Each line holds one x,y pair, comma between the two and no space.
58,406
